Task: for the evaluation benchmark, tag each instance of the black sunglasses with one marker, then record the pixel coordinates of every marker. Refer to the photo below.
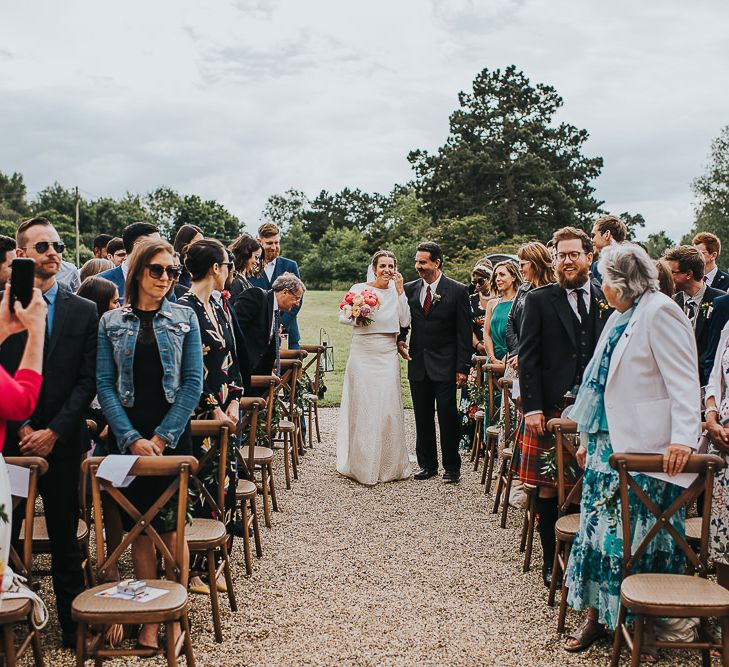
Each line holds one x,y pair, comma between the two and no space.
479,281
42,247
156,271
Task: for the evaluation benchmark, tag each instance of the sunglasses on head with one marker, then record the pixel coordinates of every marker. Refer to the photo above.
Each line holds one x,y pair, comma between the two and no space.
42,246
156,271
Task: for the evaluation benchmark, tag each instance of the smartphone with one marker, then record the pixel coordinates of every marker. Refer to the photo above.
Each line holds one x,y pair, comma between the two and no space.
22,277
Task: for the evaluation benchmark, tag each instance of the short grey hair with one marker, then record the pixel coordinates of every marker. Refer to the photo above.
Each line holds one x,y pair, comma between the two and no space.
627,268
288,282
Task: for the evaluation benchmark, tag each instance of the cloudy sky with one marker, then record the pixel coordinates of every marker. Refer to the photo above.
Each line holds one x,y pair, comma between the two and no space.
238,99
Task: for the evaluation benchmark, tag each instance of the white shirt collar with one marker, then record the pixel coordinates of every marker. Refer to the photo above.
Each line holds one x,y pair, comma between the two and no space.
125,269
434,284
711,275
585,287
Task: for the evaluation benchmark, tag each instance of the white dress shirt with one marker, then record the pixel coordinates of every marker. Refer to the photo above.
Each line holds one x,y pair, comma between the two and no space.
270,268
433,288
125,269
711,275
572,298
273,316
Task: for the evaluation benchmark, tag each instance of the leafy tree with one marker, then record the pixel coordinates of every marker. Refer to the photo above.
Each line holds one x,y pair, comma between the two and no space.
657,244
632,222
284,209
295,242
338,258
13,195
348,209
507,159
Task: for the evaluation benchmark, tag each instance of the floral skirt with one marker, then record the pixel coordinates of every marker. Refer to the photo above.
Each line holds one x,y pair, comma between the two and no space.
595,568
719,525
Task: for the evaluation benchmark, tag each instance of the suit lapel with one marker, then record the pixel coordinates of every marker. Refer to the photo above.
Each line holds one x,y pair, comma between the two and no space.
708,297
269,313
564,311
59,316
415,296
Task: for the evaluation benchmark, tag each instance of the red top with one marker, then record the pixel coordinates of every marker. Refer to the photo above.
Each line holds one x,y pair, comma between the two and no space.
18,396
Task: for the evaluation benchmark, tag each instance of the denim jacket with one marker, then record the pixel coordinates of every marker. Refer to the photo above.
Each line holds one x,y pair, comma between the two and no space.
178,338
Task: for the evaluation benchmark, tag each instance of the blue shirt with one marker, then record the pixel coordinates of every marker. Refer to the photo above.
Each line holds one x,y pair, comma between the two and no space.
50,296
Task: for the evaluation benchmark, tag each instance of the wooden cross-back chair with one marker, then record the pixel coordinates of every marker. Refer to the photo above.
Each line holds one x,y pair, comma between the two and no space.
490,443
257,458
647,596
509,458
91,610
14,612
209,536
311,397
246,489
569,494
478,417
301,355
289,426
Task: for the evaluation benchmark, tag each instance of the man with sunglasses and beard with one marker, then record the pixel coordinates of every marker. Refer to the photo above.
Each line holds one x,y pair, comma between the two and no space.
562,323
57,429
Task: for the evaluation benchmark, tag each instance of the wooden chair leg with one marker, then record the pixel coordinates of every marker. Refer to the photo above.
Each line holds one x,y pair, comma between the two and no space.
214,597
9,644
725,641
555,568
637,640
507,491
500,483
476,443
170,640
618,637
562,561
229,578
272,486
310,424
295,436
316,421
189,655
524,526
493,456
246,537
256,529
264,488
530,533
36,645
287,461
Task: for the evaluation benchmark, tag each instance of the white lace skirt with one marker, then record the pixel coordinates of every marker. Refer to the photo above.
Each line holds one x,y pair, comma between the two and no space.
6,513
371,435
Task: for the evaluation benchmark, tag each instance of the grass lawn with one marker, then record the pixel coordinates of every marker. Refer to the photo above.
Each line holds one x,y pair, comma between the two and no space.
321,311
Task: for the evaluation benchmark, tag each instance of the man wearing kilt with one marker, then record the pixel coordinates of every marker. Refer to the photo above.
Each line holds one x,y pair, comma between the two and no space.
562,323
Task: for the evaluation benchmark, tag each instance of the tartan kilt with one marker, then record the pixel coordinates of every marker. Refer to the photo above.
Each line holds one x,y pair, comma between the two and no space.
532,448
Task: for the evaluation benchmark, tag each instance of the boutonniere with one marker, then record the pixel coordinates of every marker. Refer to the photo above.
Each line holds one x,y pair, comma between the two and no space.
225,294
436,298
707,309
602,308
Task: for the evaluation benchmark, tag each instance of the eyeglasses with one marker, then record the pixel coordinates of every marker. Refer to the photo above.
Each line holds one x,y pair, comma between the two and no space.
479,281
228,264
42,247
120,253
156,271
298,298
574,255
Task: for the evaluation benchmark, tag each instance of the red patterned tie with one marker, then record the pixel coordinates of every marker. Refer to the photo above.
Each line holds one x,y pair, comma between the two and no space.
428,301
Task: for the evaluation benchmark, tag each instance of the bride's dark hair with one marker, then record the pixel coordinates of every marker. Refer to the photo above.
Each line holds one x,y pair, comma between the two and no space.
383,253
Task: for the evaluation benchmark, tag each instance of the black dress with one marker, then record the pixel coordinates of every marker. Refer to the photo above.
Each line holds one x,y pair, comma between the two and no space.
149,409
221,384
470,399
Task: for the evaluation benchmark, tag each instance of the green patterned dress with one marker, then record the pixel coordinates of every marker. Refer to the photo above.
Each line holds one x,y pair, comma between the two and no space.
595,568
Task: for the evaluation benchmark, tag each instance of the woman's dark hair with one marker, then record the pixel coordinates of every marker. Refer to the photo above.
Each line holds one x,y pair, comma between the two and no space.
99,290
142,256
243,248
383,253
433,249
202,255
184,236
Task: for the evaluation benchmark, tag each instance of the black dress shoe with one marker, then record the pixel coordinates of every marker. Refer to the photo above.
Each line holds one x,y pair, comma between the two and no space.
451,477
426,474
547,576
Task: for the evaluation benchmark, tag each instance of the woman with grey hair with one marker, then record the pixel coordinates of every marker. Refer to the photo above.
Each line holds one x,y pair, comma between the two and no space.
640,394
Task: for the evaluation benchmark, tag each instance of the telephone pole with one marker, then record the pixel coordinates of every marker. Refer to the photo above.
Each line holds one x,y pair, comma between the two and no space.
78,240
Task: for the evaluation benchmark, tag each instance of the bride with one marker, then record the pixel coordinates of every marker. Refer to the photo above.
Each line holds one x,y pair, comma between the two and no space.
371,435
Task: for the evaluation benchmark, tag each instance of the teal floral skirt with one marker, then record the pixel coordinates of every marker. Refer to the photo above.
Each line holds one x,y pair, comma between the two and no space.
595,567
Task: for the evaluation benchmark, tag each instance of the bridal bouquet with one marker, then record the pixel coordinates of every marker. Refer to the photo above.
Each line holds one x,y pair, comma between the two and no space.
359,308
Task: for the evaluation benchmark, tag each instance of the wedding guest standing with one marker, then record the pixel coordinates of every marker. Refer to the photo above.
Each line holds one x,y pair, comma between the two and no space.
99,245
57,430
504,282
269,236
606,231
561,325
709,246
186,235
207,262
94,267
695,297
639,394
7,255
150,377
247,256
115,251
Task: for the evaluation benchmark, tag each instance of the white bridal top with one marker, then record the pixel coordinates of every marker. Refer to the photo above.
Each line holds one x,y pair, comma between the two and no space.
393,313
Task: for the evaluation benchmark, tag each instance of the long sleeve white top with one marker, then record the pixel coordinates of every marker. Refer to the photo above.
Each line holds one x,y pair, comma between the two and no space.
393,313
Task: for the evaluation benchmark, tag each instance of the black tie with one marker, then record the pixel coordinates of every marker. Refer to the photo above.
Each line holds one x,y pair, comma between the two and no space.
581,306
690,310
277,339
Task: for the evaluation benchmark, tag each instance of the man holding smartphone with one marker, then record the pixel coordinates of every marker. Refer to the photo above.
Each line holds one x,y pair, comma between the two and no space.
55,431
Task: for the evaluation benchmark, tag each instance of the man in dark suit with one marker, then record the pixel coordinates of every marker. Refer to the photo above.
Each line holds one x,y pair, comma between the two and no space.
693,295
56,429
717,319
606,230
260,314
709,246
269,236
562,323
132,234
438,360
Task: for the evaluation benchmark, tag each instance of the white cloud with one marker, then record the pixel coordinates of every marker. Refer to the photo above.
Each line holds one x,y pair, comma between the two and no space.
237,100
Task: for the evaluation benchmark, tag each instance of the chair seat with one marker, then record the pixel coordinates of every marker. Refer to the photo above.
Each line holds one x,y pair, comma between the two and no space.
205,534
479,415
12,611
567,526
40,533
313,398
492,431
244,489
286,425
507,453
88,607
674,595
260,454
693,529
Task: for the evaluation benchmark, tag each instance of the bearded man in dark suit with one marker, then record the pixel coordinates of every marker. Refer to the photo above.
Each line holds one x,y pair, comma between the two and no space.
439,360
562,323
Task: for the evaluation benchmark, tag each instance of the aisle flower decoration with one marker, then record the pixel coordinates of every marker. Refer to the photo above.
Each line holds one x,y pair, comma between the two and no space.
358,308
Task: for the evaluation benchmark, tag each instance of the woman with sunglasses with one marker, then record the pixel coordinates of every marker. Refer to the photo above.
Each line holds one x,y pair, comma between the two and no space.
149,377
209,268
481,285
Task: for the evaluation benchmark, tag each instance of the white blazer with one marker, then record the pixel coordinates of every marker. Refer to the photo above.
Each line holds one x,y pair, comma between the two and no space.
713,388
652,394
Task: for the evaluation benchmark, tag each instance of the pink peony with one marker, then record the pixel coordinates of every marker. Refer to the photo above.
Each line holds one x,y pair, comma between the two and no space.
349,298
370,299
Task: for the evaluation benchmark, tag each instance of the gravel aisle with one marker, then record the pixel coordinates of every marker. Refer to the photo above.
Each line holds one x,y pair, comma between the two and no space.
408,573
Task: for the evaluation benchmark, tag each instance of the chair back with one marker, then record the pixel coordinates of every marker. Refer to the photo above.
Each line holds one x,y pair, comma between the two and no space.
493,373
317,351
217,434
267,386
290,370
704,466
250,410
566,443
36,467
178,467
510,423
